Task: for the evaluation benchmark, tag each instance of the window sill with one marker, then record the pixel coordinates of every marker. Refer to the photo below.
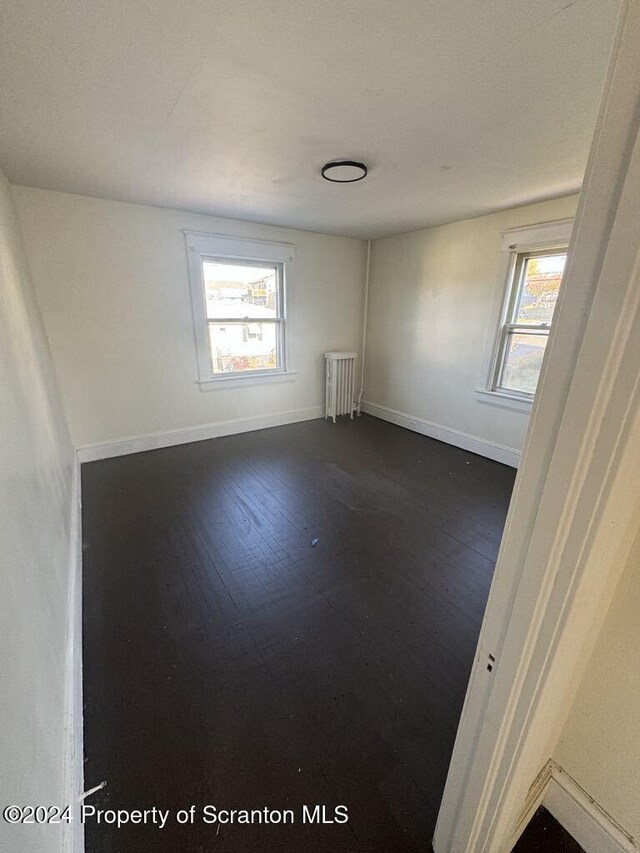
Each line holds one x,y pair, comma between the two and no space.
504,401
246,381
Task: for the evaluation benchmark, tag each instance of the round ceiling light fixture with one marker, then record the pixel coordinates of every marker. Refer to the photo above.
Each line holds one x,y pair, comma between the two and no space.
344,171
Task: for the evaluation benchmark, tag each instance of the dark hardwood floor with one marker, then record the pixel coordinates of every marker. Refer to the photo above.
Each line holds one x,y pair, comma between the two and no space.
228,661
545,835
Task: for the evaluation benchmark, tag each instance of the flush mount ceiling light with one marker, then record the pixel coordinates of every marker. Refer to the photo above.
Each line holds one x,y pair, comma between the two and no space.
344,171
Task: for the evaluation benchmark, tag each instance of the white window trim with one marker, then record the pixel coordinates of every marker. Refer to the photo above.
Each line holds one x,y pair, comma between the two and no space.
515,241
201,245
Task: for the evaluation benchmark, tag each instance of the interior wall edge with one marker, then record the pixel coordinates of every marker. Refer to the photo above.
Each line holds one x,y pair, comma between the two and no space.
134,372
36,460
490,449
552,586
595,830
435,308
73,832
184,435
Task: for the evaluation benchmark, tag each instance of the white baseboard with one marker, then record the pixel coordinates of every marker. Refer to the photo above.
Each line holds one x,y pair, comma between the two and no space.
169,438
533,800
592,827
481,446
73,832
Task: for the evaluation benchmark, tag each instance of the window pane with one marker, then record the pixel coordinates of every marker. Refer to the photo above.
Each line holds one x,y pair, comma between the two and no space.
522,363
540,285
240,290
238,347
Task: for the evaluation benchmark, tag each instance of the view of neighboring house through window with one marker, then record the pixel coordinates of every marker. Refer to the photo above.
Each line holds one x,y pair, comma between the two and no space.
244,305
531,301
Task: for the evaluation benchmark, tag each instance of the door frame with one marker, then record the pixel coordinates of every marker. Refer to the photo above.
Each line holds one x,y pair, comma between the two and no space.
575,508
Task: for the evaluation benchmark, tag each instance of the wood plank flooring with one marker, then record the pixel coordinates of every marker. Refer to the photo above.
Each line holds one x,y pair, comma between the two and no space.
228,661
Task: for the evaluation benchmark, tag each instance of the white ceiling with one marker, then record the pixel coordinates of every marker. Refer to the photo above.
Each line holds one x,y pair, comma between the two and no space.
459,107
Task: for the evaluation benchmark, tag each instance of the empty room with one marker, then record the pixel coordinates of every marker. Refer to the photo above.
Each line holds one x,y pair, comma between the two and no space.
320,426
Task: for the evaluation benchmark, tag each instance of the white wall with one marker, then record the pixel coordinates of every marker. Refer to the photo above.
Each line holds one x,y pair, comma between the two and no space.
36,464
111,279
430,306
600,743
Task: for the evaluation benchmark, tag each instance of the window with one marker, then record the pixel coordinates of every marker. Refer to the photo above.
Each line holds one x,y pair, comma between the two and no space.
529,312
252,331
238,291
533,261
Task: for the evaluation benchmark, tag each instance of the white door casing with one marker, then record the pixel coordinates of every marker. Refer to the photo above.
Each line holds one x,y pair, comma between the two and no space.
575,507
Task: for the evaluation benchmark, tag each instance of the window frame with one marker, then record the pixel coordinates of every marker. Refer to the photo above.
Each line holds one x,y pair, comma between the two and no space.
247,321
240,250
511,326
517,245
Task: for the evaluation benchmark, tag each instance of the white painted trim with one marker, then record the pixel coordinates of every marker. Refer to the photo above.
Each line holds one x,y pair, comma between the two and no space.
365,323
595,830
585,819
497,318
573,514
533,800
529,238
239,247
475,444
542,235
504,401
184,435
73,832
247,380
200,246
